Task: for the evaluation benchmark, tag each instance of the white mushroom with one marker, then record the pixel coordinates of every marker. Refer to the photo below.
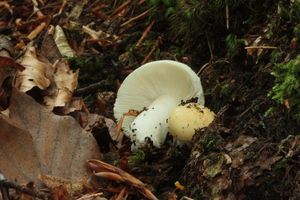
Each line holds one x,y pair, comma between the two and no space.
156,88
185,119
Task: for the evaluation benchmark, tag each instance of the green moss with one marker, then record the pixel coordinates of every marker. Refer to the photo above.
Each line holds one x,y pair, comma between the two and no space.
93,69
287,85
276,56
280,165
208,142
137,158
192,20
233,45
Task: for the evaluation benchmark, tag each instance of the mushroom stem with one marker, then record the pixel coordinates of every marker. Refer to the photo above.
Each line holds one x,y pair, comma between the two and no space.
152,123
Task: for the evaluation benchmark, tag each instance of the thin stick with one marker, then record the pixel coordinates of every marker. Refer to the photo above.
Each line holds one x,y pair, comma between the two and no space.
211,64
261,47
144,35
91,196
4,192
136,17
120,8
227,16
99,166
31,192
37,31
122,194
90,89
141,2
209,47
61,9
152,50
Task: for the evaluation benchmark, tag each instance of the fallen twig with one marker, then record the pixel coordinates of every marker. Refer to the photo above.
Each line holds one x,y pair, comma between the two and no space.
61,9
8,184
37,31
136,17
122,194
106,170
7,6
120,8
227,16
144,35
91,196
152,50
90,89
3,189
261,47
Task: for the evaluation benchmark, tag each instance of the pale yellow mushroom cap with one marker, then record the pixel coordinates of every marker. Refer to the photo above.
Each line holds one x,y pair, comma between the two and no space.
185,119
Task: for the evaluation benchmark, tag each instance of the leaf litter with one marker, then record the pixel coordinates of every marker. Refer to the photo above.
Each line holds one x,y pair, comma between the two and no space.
46,135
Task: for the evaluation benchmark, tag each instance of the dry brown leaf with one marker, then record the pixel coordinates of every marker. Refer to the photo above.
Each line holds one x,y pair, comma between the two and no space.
77,107
36,73
18,158
6,46
49,49
71,187
57,81
6,62
95,120
60,193
65,82
35,141
111,172
62,42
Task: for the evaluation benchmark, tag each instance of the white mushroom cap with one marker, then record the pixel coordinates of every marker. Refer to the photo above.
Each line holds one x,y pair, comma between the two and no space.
158,86
185,119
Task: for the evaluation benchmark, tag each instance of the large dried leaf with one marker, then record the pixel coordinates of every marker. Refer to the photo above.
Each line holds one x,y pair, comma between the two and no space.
36,73
61,145
65,83
57,81
18,158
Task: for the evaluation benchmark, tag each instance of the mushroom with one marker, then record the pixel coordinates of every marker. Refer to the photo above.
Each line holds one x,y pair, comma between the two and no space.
155,89
184,120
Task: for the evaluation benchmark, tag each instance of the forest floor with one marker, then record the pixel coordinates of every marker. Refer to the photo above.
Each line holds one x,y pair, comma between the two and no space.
65,60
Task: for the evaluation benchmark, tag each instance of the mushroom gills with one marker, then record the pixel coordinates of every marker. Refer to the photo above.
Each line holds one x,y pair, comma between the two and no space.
152,123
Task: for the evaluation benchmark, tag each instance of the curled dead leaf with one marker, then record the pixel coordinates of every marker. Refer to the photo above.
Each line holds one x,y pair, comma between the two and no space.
34,141
36,73
57,81
62,42
64,83
106,170
72,187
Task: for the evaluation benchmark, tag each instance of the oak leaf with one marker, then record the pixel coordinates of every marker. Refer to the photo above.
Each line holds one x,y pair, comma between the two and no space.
34,142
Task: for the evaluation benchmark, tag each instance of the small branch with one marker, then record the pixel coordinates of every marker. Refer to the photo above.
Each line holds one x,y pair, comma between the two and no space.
8,184
91,196
144,35
120,8
209,47
211,63
227,16
136,17
5,193
152,50
37,31
61,9
261,47
89,89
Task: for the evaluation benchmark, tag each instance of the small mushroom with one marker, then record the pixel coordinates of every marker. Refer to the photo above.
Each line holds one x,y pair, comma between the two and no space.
155,89
185,119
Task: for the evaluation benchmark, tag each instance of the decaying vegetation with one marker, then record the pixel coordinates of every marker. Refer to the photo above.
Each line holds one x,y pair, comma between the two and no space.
246,53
